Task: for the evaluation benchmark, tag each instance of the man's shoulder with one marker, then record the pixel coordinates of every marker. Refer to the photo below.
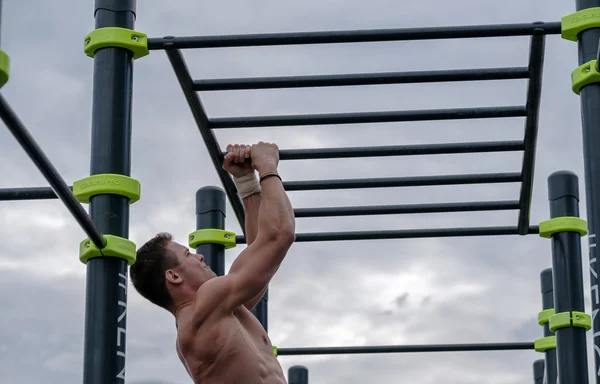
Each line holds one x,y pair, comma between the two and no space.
209,300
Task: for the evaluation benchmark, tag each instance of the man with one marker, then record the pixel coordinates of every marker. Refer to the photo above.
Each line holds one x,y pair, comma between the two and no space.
218,339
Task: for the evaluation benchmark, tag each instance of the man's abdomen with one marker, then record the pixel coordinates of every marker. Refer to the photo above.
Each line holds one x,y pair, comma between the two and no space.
241,360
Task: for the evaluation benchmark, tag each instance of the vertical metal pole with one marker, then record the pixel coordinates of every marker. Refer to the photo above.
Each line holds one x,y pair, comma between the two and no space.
0,20
261,311
590,115
571,353
538,372
548,303
298,374
210,214
106,287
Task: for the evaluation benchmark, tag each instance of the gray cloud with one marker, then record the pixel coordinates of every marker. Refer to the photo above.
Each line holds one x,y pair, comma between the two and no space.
422,291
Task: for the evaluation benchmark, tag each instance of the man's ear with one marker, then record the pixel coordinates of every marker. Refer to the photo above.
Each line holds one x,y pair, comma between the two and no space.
173,277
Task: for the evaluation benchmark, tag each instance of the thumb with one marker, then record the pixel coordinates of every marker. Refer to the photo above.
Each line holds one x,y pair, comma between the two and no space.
227,159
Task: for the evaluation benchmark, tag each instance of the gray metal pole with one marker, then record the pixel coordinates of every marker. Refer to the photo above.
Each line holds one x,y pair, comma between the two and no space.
538,371
261,311
571,353
106,283
210,214
590,118
547,288
298,374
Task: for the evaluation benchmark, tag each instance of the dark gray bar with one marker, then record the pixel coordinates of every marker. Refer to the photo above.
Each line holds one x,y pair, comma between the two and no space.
401,150
538,371
534,93
482,74
210,214
28,193
404,349
405,234
415,181
360,36
368,117
590,117
406,209
547,287
571,352
41,161
298,374
104,354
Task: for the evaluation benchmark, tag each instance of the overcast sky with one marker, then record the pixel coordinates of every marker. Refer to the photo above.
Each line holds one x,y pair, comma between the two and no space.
459,290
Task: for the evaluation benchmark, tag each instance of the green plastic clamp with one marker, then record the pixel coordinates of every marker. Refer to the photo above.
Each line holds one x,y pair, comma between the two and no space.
570,319
108,183
212,236
571,25
275,351
115,247
545,344
4,68
563,224
136,42
544,316
583,75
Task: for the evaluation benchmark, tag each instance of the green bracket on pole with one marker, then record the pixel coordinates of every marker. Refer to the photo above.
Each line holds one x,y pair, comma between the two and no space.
113,37
544,316
570,319
572,25
4,68
545,344
115,247
585,74
212,236
563,224
107,184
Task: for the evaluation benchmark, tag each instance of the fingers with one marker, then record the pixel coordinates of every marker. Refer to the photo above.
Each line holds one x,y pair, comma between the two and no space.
238,152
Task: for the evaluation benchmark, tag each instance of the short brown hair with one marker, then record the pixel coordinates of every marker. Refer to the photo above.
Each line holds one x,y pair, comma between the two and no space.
148,271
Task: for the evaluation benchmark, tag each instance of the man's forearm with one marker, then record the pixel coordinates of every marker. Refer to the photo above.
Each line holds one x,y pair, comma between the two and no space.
251,209
276,215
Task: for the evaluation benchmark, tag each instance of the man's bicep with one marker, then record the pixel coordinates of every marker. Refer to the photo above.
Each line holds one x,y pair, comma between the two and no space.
254,268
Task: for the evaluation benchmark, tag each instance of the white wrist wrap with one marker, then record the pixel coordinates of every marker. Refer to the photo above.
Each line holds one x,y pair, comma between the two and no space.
247,185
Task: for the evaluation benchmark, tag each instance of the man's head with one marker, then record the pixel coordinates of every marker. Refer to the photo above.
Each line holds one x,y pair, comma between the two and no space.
166,273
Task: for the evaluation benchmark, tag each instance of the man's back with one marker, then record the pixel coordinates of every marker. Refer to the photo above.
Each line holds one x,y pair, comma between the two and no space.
230,349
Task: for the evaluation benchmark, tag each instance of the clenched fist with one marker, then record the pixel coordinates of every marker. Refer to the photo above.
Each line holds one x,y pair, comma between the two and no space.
265,157
237,160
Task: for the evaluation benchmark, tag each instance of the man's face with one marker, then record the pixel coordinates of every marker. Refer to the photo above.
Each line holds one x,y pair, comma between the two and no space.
192,269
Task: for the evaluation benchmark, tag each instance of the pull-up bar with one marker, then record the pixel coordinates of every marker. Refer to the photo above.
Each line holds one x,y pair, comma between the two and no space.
356,36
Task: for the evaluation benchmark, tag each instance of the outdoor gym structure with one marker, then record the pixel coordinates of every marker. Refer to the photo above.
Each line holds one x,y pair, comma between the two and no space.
107,252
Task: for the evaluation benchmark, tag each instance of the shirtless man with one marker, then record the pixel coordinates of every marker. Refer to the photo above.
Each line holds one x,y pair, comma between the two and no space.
218,339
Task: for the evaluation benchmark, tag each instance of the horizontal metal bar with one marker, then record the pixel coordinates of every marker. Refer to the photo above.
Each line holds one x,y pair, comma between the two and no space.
405,349
407,209
405,234
401,150
413,181
30,193
359,36
362,79
368,117
35,153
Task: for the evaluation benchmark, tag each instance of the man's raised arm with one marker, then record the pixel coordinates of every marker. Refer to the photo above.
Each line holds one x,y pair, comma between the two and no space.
256,265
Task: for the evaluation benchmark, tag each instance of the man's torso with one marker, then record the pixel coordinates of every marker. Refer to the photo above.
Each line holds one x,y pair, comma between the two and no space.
233,349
